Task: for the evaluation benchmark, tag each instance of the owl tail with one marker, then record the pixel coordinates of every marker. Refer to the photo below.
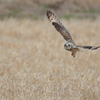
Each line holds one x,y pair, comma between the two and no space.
89,47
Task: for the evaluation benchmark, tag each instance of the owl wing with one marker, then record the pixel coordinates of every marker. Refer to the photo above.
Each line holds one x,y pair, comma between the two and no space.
58,25
89,47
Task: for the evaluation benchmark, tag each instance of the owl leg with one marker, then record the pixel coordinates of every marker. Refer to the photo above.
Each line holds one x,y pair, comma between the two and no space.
73,54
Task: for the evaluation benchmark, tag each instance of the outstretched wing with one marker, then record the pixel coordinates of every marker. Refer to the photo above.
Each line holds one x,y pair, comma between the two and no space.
58,25
89,47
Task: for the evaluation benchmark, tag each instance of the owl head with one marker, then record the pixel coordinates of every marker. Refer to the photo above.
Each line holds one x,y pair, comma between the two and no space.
69,45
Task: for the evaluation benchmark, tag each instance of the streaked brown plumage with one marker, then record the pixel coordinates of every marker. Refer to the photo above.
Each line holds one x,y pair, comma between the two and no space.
70,44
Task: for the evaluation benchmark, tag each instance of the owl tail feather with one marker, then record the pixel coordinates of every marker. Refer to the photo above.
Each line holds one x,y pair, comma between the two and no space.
89,47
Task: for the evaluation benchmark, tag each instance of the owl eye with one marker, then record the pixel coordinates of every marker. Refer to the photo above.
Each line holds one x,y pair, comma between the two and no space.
65,45
69,45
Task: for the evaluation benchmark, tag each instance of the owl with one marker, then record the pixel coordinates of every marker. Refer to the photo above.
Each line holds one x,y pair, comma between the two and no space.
70,44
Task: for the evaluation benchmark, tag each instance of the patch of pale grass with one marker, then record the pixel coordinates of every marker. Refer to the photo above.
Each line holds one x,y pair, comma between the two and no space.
35,66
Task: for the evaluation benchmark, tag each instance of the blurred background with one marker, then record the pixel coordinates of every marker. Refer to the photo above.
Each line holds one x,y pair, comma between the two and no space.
36,8
33,62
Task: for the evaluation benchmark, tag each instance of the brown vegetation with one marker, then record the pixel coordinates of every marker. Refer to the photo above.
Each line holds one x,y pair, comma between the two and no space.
37,7
35,66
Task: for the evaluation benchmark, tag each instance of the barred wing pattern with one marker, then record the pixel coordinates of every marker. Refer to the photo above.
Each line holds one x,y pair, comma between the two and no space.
89,47
58,25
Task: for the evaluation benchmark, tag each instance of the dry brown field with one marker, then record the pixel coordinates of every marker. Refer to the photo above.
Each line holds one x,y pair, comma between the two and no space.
35,66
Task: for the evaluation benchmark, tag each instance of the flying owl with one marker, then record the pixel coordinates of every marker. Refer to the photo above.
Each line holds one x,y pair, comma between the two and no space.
70,44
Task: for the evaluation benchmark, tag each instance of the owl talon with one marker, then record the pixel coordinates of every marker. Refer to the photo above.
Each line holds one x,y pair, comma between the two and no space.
73,54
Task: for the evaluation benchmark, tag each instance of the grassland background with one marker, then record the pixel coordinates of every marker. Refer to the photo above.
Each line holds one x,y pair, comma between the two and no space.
34,65
33,62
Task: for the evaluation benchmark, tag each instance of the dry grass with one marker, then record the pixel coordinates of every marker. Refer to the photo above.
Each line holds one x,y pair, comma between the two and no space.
35,66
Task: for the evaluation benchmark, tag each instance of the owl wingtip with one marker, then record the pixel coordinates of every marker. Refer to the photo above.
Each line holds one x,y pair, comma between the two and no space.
48,11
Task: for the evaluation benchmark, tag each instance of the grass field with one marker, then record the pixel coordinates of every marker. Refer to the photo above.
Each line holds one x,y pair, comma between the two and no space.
35,66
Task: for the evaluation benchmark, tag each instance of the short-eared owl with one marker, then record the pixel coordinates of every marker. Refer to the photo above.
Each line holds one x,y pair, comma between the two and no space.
70,44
